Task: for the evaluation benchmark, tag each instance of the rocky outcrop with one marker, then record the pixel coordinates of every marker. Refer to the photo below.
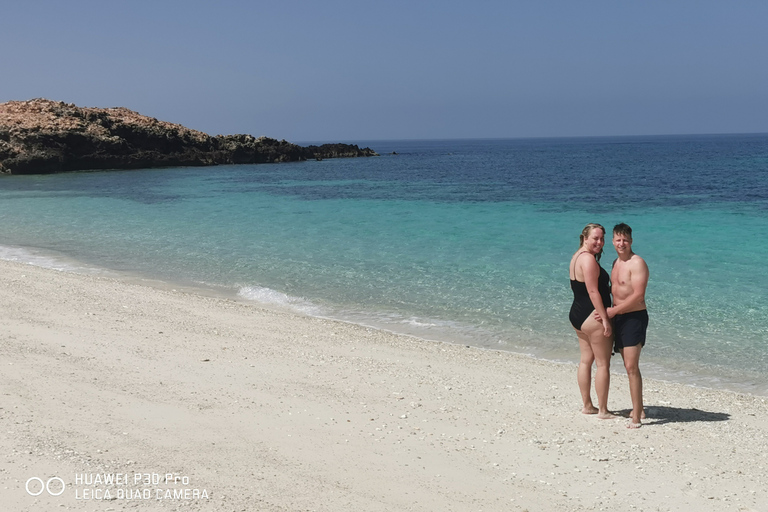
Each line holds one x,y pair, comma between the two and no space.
41,136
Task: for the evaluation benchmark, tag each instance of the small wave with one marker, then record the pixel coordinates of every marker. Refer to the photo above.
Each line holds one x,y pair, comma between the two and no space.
30,257
415,322
273,297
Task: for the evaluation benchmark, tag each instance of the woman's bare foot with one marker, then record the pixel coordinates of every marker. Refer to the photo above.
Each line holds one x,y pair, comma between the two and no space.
632,424
589,409
606,415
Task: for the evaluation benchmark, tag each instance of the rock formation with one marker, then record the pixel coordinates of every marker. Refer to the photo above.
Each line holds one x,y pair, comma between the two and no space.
41,136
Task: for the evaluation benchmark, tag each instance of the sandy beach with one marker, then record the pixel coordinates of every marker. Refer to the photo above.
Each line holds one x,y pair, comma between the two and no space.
142,398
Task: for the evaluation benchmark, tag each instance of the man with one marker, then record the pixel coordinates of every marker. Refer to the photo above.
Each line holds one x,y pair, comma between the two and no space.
629,278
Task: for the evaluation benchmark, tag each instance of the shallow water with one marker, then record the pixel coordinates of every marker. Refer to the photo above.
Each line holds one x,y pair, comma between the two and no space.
465,241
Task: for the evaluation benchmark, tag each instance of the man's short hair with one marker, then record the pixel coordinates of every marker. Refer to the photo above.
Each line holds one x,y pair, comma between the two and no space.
622,229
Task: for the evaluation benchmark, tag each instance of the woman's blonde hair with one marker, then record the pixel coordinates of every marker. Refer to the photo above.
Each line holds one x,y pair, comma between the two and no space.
585,233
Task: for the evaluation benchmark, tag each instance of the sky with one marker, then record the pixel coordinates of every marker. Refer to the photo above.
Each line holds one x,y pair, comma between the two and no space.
359,70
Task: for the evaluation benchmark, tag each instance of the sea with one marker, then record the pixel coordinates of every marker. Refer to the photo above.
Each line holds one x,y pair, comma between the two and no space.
461,241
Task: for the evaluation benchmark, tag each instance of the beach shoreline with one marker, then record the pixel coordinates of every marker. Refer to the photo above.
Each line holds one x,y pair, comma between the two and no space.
271,410
439,331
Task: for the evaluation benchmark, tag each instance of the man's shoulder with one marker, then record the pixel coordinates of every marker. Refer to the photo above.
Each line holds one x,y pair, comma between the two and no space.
637,262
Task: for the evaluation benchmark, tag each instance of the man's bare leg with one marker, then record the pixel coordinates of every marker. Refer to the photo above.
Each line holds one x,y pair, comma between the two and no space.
631,356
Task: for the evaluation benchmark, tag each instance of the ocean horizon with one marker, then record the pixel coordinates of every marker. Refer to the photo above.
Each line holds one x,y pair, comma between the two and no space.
464,241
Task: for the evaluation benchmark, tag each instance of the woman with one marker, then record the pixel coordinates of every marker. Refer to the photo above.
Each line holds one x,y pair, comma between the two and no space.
592,293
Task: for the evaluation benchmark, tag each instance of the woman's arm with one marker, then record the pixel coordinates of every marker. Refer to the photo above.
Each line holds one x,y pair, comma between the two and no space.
591,271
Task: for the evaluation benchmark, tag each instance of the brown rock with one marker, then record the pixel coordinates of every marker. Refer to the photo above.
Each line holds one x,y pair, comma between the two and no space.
41,136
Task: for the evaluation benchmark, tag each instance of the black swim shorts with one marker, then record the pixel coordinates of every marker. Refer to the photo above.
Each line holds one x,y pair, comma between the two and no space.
629,329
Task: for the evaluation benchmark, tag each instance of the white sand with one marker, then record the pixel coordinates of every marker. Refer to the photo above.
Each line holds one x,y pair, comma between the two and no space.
271,411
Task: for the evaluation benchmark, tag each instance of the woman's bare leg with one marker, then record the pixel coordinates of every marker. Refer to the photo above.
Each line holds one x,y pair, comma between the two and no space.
601,348
584,374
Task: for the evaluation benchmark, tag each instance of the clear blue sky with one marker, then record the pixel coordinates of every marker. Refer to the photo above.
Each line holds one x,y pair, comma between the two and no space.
338,70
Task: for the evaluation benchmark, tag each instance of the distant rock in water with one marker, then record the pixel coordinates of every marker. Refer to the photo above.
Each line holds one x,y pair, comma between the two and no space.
41,137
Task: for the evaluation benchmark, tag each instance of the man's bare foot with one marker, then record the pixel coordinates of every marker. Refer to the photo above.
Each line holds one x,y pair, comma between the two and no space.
642,414
632,424
589,409
606,415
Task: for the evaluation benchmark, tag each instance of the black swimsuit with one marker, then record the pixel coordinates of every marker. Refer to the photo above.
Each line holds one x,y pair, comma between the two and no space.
582,305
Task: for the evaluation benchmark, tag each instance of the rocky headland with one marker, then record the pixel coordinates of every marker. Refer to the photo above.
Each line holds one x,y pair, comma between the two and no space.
41,136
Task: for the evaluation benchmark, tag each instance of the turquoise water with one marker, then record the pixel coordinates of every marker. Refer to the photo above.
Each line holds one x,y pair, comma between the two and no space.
464,241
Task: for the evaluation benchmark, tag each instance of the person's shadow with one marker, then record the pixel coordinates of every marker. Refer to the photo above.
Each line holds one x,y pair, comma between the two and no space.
659,415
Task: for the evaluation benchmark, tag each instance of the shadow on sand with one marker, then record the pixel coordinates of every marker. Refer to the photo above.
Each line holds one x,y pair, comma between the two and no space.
659,415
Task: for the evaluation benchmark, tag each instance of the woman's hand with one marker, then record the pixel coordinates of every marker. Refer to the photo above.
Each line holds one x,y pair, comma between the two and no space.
608,311
607,329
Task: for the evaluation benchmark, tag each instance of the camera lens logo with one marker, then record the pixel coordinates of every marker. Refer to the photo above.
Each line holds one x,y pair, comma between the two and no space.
55,486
